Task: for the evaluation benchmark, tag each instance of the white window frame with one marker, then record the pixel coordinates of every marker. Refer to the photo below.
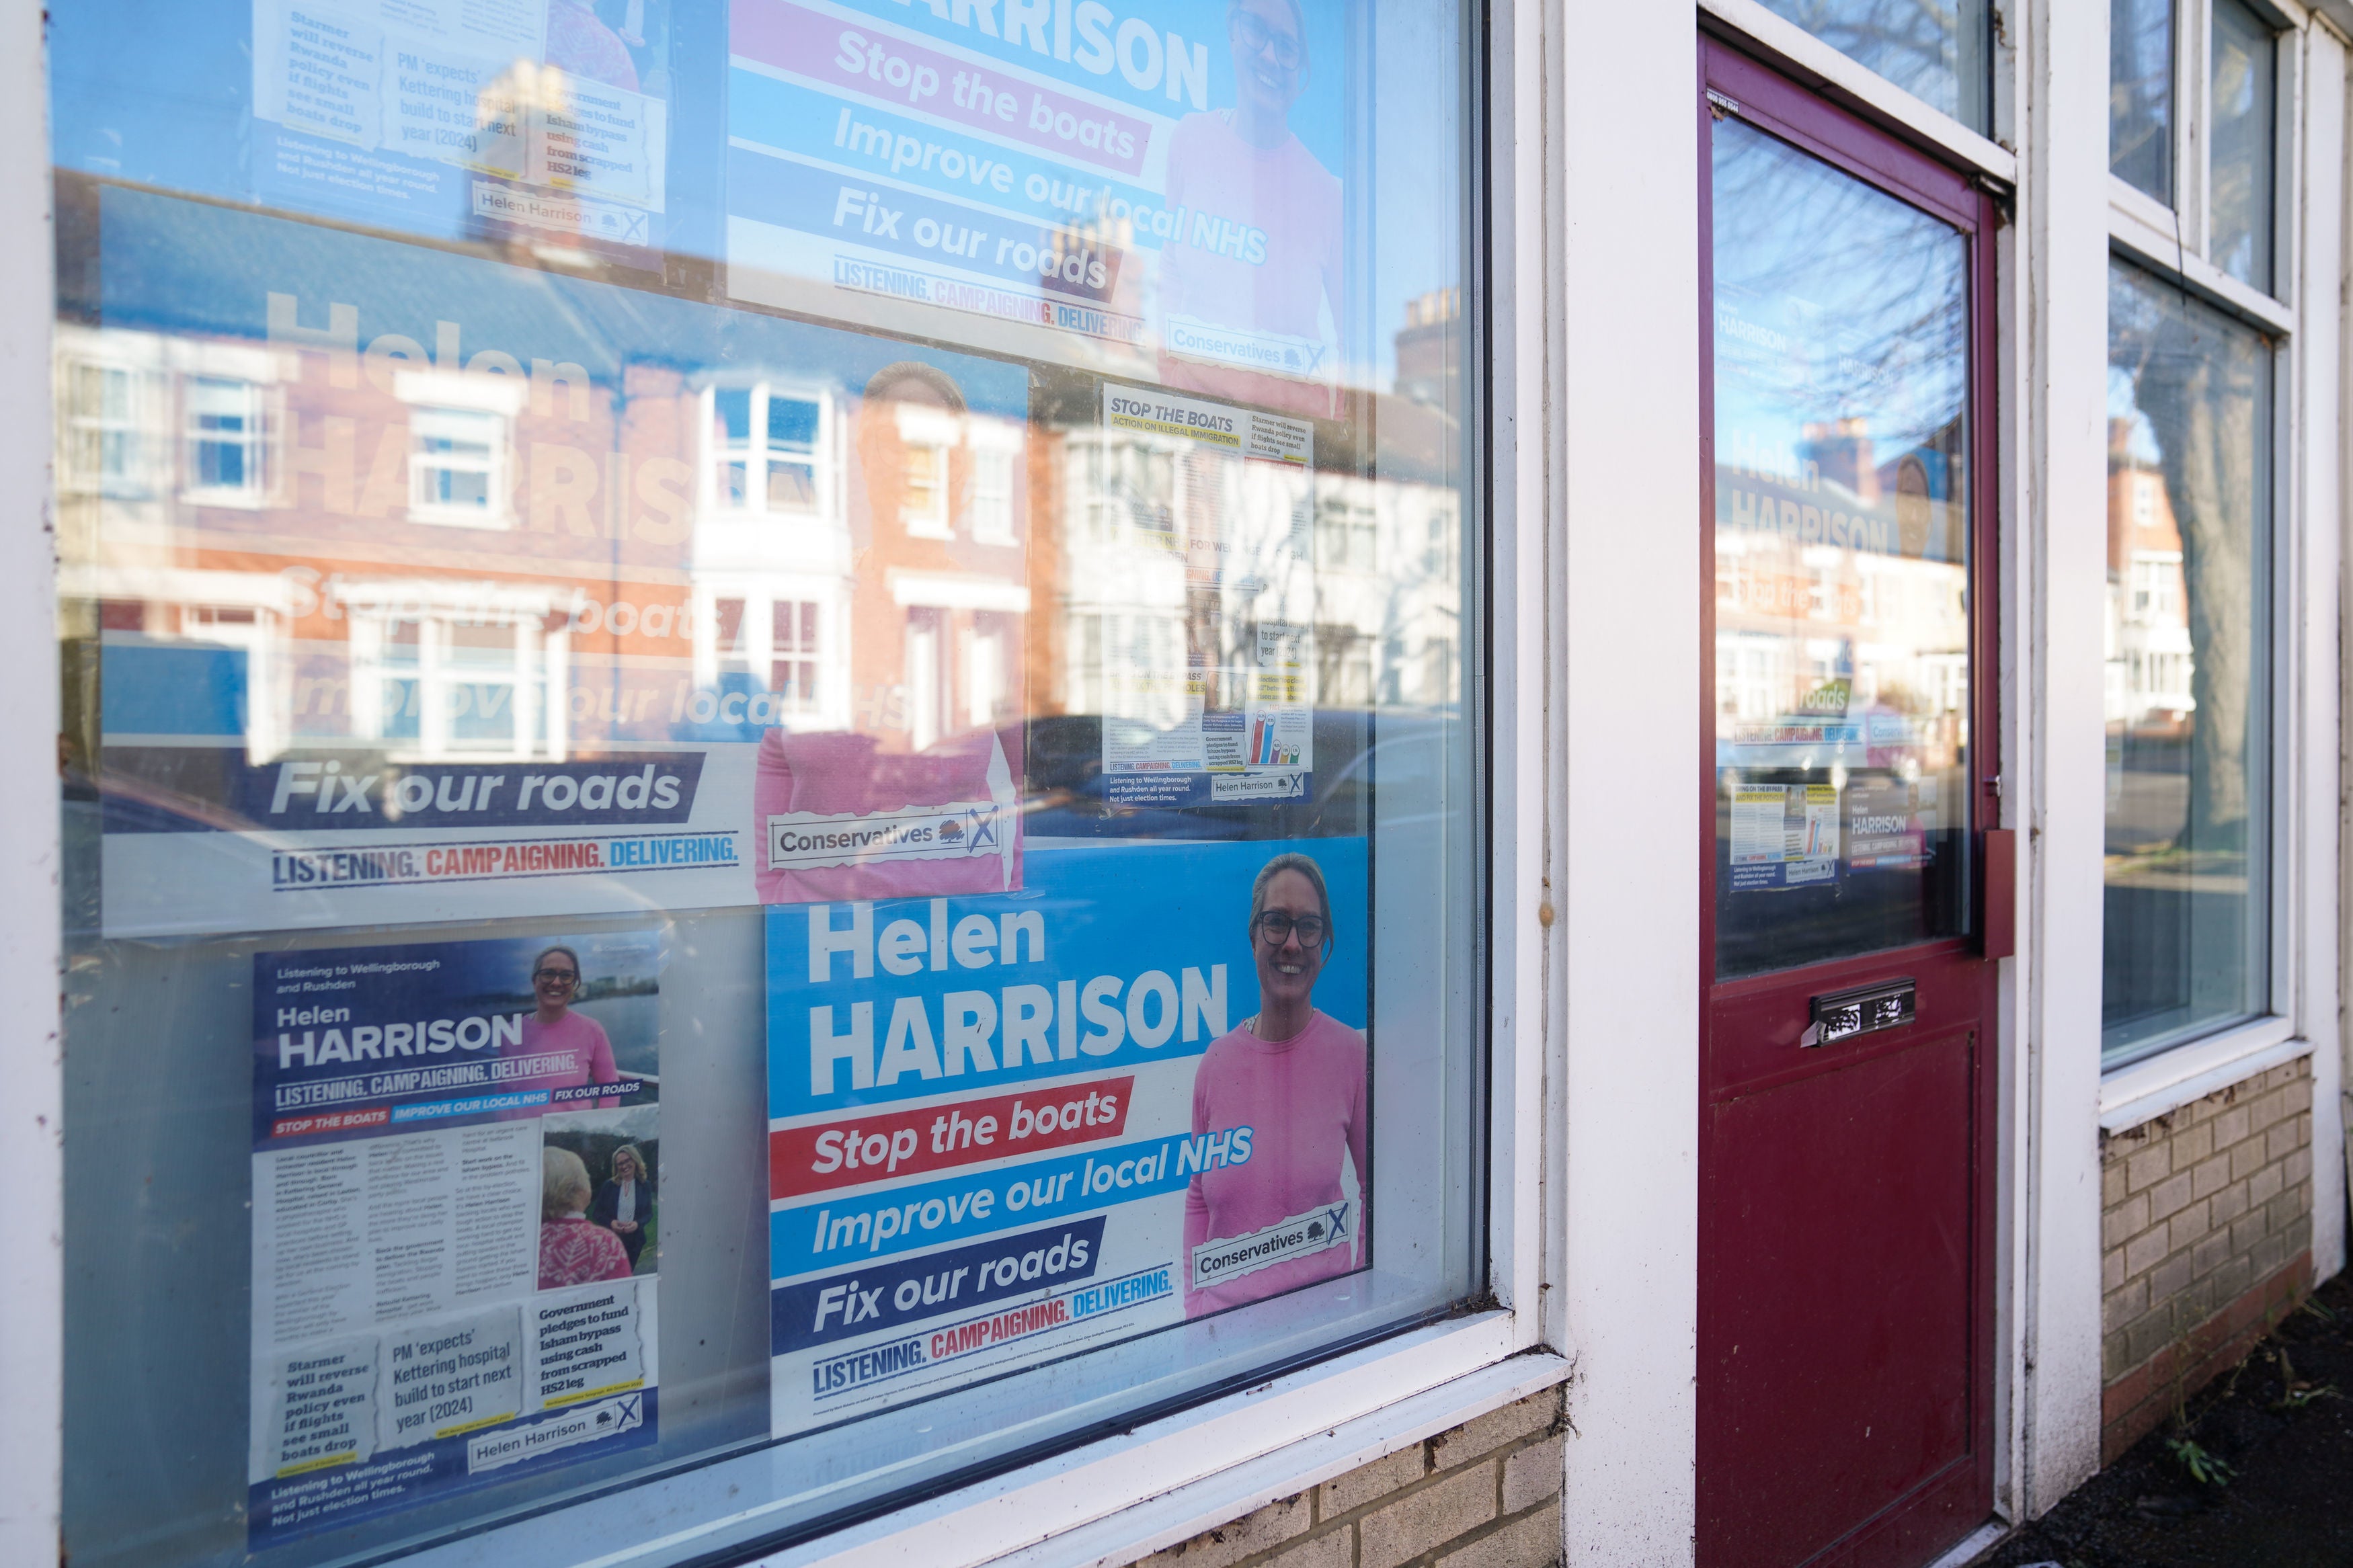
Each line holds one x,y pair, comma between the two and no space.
2170,246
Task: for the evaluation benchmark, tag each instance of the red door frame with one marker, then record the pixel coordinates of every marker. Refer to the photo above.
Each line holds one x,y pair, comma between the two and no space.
1736,1058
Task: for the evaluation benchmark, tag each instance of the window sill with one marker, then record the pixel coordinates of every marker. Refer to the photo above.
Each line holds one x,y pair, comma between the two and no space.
1108,1500
2172,1078
1125,1497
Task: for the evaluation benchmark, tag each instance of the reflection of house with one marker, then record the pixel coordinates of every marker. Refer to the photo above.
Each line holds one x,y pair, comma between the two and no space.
1172,558
2149,658
1868,559
574,520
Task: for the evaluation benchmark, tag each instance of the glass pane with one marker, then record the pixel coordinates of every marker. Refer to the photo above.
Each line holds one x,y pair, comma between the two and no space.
982,495
1841,564
2188,819
2245,85
2140,94
1938,53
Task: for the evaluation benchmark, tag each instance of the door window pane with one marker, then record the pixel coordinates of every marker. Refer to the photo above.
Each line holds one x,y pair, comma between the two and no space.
1935,52
1841,564
2189,652
2240,101
2140,94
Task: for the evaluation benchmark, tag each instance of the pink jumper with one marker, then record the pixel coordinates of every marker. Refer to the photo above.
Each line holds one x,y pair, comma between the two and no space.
1213,277
591,1054
1304,1101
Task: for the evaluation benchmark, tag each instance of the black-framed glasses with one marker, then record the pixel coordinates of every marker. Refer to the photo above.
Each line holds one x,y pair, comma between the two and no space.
1276,926
1256,36
554,975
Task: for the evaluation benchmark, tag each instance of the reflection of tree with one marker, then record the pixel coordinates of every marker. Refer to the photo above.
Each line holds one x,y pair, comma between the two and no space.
2200,381
1916,44
1883,281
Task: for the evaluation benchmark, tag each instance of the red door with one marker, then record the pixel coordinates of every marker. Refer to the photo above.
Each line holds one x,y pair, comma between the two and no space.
1845,1310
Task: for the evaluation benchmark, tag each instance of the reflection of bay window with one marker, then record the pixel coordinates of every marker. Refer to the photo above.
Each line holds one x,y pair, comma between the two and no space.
108,414
225,429
452,675
986,644
793,644
925,687
1347,536
767,446
928,440
457,466
994,447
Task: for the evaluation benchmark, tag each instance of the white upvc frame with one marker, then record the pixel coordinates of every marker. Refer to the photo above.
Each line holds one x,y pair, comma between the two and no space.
32,1157
2303,314
2074,219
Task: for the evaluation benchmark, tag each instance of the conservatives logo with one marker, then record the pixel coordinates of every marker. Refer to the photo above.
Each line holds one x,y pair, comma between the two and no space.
803,840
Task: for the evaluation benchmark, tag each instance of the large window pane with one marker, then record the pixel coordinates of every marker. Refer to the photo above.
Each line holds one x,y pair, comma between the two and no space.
2241,101
2190,652
1937,52
772,766
2140,94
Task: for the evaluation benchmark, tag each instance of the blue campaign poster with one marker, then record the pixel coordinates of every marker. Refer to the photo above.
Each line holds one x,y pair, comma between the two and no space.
456,1219
1005,1128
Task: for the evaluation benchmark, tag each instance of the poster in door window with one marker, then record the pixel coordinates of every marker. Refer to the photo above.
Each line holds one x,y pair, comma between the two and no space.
457,1219
1004,1129
1784,836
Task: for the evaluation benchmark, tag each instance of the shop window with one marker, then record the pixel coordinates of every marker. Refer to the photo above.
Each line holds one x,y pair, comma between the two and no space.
811,568
1939,54
2190,818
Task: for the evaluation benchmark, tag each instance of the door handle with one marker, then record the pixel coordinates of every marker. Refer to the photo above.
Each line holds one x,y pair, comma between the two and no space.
1998,926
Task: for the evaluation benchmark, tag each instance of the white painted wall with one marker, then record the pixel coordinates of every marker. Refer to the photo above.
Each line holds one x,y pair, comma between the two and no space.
2062,331
32,1271
1625,878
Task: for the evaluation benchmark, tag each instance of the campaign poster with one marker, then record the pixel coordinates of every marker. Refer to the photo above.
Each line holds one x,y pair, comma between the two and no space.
1784,835
1215,491
457,1219
554,599
1006,1128
1152,188
541,119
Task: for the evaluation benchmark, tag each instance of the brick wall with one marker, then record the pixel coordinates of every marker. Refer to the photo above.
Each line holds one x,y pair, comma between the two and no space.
1485,1495
2205,1237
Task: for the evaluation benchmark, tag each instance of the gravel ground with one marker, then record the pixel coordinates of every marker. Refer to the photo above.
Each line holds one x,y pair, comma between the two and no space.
2281,1496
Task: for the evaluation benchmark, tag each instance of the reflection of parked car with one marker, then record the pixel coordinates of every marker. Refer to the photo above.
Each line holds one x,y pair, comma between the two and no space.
1401,752
1408,788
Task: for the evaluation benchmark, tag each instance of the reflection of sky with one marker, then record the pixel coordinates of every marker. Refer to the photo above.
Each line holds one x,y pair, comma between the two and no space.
2124,403
158,91
1417,156
1833,301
